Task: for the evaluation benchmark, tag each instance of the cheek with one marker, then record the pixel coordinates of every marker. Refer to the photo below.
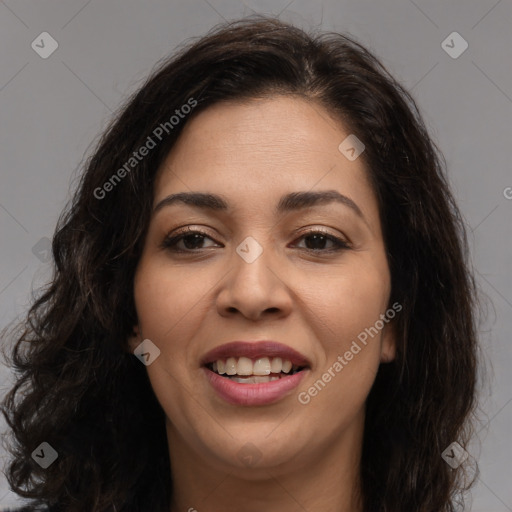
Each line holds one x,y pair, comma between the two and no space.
168,305
347,300
345,307
170,311
161,289
163,300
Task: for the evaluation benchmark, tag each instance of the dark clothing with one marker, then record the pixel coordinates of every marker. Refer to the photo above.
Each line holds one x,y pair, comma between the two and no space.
26,509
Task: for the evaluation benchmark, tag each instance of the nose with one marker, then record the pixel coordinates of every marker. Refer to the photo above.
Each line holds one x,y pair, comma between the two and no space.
255,290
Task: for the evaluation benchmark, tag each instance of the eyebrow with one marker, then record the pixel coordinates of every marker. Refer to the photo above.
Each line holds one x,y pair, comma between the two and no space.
289,202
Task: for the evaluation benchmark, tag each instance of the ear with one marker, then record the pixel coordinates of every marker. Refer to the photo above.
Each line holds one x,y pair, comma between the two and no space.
388,343
134,340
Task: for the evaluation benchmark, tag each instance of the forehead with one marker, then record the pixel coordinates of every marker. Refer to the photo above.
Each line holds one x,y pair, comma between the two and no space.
261,148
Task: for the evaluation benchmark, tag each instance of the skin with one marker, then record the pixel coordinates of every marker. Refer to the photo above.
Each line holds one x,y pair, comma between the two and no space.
252,153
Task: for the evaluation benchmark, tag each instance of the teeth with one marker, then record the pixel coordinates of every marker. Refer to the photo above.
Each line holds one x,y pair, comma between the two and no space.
287,366
231,366
260,366
276,365
244,366
256,379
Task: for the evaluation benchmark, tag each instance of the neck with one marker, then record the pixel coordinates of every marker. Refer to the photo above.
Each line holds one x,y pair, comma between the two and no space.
328,481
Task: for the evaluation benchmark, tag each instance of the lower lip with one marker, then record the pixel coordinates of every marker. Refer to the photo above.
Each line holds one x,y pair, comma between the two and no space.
262,393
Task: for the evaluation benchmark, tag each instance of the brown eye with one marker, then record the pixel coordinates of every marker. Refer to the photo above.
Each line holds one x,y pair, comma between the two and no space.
318,240
190,241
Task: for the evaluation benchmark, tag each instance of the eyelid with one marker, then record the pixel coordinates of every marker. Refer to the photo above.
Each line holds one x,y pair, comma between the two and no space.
176,235
341,243
324,231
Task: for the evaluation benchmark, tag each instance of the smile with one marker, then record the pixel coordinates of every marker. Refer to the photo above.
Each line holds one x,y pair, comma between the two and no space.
250,374
253,390
246,371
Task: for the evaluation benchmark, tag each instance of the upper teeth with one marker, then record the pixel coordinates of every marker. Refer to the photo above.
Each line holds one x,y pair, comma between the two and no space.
245,366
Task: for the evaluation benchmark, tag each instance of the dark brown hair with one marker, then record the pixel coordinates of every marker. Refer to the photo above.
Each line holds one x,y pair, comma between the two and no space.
80,390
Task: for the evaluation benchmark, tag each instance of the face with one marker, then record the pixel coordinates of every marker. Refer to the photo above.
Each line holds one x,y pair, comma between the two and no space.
289,250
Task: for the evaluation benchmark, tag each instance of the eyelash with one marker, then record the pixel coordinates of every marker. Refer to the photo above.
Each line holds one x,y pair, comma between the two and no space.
170,242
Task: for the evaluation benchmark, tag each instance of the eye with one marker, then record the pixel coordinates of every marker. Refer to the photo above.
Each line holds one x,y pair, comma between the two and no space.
191,240
318,239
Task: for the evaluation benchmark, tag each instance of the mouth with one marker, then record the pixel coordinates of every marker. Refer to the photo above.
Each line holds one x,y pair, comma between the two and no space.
258,373
248,371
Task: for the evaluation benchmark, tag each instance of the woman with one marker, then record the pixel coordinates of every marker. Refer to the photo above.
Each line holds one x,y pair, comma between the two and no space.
261,297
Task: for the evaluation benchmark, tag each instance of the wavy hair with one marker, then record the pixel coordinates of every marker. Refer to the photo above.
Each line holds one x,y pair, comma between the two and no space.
79,389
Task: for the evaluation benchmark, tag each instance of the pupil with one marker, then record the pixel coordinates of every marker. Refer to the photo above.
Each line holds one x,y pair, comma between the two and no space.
196,240
316,239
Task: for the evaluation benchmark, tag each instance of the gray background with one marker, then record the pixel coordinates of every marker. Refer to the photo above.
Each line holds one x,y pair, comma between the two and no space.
52,109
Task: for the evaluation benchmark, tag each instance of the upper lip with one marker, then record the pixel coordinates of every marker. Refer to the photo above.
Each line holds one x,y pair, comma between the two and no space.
255,350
